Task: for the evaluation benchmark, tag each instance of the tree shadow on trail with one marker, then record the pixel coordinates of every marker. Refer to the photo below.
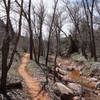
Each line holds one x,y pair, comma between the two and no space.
44,69
43,89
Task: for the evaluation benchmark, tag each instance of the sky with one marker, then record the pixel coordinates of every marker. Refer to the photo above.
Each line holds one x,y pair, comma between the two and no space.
49,4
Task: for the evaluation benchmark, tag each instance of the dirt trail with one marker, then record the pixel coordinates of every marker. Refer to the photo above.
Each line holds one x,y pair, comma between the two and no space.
32,84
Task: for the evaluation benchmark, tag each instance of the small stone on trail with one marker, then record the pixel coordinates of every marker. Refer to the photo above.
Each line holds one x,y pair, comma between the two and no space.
93,80
97,85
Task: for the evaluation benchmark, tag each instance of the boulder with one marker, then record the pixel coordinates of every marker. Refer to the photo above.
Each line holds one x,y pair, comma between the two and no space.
62,72
93,80
65,92
63,89
75,87
76,98
95,70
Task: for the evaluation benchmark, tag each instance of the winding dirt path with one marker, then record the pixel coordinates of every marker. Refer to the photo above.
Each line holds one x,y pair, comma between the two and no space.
32,84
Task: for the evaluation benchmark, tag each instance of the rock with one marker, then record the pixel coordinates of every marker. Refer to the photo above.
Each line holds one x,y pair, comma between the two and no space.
91,69
76,98
59,64
96,92
57,92
66,78
83,98
70,68
62,72
95,70
97,85
76,87
93,80
82,58
1,97
63,89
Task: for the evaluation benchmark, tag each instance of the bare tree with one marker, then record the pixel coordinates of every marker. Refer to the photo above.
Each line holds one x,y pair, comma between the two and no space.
5,49
30,30
41,16
59,22
89,9
50,31
28,18
88,25
6,45
97,18
74,12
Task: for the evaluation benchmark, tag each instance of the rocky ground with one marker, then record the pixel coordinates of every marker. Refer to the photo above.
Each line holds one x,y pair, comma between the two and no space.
82,82
37,72
77,69
14,77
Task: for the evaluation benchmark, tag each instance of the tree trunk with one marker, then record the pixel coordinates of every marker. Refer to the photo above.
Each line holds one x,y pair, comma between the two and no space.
57,51
30,30
5,49
31,46
48,44
93,39
83,48
5,52
40,42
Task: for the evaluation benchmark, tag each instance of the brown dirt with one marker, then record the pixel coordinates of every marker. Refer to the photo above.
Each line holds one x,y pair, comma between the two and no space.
32,84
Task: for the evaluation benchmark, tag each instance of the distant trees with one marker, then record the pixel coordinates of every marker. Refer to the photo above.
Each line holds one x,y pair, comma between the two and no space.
78,12
75,15
29,21
41,13
89,9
